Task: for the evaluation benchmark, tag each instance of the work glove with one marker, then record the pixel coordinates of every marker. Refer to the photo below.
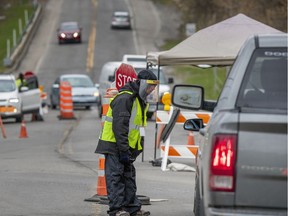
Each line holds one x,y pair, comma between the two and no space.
124,157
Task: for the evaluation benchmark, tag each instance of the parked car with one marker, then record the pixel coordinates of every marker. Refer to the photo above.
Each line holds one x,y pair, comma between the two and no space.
84,92
14,102
107,77
241,165
69,32
121,20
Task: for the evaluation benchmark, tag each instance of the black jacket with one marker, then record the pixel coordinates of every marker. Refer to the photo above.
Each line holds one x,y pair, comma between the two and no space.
121,111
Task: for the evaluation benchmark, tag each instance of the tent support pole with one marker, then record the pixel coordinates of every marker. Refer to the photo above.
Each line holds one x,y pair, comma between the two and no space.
157,106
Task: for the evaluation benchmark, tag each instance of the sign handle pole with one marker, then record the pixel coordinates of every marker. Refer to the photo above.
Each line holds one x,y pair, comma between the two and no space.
156,125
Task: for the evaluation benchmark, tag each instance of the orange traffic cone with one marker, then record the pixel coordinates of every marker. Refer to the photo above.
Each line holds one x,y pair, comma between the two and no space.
101,190
2,128
190,138
23,131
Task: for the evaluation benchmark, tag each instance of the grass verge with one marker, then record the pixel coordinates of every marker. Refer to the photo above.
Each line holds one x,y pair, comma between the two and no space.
212,79
10,13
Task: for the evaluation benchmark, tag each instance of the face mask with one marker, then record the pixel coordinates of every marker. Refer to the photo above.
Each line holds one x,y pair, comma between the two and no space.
148,90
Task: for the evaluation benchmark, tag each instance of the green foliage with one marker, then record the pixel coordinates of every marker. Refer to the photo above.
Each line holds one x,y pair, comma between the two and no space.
11,12
212,79
170,44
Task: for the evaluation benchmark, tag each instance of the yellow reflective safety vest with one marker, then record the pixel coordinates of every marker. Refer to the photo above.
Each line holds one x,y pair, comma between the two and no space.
136,121
18,82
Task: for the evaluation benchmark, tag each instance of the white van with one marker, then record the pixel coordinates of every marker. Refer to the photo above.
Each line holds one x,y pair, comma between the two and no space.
14,102
131,58
107,76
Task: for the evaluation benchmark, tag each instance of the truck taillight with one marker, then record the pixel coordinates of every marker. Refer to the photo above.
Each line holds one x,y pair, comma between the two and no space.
223,160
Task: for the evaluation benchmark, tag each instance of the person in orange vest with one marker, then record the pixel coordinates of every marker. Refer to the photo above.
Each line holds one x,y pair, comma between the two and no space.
122,140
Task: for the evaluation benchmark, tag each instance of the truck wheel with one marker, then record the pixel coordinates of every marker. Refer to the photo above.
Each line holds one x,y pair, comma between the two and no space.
39,115
198,203
19,118
53,106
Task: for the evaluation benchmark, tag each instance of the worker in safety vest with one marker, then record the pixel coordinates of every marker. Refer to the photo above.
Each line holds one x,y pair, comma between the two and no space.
20,81
121,141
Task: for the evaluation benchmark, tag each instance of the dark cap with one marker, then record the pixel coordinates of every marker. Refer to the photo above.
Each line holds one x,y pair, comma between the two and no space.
147,75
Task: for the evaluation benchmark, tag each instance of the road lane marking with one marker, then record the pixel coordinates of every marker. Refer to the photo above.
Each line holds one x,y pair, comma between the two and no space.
91,44
90,49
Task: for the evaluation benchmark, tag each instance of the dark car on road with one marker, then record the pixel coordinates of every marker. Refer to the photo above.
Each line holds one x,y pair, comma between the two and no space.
69,32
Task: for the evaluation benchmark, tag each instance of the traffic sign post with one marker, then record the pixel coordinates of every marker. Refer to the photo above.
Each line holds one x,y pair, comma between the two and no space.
124,74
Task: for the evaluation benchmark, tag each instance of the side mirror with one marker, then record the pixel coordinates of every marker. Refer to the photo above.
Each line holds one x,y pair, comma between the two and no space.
97,85
188,96
170,80
193,124
111,78
24,88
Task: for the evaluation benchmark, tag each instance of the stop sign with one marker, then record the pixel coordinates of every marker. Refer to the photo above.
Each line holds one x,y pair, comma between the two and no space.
124,74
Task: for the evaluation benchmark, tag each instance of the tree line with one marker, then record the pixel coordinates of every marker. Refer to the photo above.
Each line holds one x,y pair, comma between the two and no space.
205,13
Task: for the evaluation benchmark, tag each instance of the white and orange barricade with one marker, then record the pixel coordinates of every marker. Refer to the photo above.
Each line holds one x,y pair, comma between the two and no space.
66,103
188,150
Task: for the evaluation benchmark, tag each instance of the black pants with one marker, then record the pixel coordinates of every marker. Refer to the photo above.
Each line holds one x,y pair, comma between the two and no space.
121,185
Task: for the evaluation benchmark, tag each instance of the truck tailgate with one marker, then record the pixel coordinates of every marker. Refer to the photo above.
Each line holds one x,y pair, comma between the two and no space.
261,178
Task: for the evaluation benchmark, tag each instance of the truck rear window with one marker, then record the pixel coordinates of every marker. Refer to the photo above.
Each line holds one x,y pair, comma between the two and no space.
265,81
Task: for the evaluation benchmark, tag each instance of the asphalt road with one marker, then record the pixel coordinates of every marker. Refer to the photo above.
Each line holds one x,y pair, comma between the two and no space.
55,169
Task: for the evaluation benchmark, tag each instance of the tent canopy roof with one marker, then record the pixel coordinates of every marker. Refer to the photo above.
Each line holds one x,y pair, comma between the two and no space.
216,45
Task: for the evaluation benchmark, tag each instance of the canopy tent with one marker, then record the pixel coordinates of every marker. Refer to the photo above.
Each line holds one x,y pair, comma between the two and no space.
217,45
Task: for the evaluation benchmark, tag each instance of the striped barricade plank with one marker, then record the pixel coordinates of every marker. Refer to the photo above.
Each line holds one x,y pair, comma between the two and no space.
180,151
162,117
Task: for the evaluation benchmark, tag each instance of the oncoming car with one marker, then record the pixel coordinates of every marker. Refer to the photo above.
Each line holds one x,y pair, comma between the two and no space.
121,19
84,92
69,32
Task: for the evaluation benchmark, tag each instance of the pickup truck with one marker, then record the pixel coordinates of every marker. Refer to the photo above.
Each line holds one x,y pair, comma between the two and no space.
15,103
241,164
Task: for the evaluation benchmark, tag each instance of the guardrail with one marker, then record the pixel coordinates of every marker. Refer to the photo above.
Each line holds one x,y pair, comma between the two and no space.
13,60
